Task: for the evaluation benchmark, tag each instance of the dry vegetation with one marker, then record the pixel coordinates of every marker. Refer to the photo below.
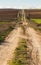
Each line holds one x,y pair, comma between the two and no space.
5,28
20,54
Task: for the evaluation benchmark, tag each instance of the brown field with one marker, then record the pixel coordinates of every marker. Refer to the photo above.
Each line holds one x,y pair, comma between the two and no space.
20,38
8,14
11,14
4,26
34,13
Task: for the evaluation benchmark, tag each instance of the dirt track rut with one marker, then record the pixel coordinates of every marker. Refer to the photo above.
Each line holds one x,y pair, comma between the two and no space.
9,46
35,40
11,43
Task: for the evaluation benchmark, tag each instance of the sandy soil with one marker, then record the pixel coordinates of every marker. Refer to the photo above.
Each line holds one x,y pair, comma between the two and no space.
35,40
11,42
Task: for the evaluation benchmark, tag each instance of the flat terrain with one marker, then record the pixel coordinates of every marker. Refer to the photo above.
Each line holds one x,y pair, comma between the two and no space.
35,40
28,50
11,42
11,14
9,46
5,29
38,21
5,25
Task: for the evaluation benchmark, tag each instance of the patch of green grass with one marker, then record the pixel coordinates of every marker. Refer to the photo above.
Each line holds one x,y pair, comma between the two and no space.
3,22
1,38
36,21
22,54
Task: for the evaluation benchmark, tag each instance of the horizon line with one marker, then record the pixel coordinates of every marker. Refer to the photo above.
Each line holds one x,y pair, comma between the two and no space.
8,7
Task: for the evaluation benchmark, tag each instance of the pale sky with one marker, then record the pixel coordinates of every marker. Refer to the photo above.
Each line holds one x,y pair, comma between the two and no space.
25,4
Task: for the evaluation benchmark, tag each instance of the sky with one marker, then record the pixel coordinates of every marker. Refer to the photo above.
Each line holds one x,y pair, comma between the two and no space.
20,4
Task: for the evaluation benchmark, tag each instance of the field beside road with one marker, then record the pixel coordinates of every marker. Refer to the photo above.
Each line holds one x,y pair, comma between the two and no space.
5,29
38,21
22,44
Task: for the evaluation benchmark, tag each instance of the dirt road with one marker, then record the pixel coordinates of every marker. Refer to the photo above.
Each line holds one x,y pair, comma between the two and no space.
9,46
11,42
35,40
